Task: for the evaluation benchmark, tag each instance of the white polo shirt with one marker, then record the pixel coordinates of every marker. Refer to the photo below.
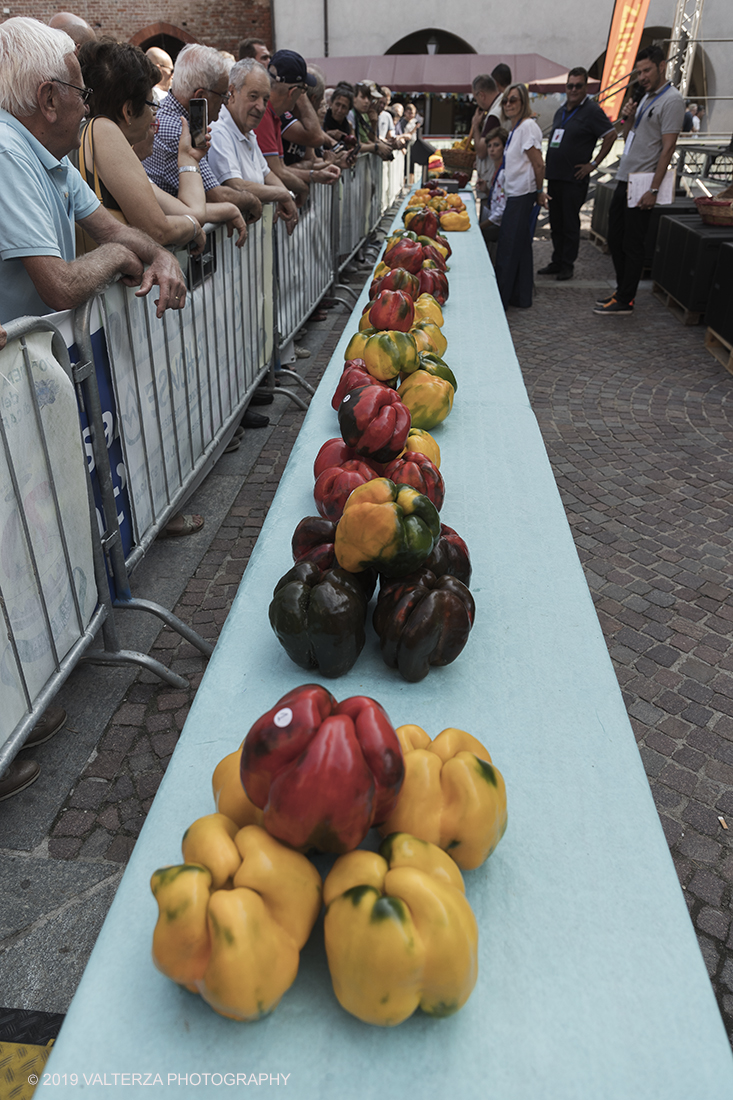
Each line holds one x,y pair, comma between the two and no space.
234,155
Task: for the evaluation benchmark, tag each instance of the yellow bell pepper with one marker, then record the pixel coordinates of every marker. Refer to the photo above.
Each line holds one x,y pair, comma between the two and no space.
380,270
452,796
428,397
238,947
181,946
453,221
230,797
210,842
428,308
357,343
399,932
423,442
428,337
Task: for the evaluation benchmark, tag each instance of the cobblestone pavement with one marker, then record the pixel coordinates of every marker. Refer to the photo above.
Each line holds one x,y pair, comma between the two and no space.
637,418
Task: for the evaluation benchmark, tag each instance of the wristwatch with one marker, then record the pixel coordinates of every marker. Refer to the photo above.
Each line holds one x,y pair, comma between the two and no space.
187,168
654,190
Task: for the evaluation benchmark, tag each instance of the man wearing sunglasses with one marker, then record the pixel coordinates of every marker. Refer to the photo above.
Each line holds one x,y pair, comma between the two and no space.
575,130
43,101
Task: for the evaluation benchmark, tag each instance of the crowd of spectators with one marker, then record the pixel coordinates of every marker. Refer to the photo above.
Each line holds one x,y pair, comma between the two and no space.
102,173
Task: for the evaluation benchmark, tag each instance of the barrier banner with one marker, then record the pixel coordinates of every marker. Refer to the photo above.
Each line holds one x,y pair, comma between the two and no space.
624,37
48,598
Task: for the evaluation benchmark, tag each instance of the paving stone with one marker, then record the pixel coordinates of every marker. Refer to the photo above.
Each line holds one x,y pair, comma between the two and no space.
713,922
707,886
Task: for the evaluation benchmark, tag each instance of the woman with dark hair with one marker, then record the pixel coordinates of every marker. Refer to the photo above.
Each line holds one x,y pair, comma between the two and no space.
123,115
524,171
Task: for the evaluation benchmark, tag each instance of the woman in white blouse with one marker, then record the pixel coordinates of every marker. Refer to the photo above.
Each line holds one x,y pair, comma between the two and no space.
524,171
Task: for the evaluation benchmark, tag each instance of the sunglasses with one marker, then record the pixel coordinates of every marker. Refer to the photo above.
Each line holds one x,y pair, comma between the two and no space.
512,99
574,87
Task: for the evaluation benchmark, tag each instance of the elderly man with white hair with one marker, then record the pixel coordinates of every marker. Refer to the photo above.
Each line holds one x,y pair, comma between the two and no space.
201,72
42,104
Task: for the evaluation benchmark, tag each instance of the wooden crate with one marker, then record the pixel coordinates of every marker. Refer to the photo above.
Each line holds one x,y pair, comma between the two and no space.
682,313
720,348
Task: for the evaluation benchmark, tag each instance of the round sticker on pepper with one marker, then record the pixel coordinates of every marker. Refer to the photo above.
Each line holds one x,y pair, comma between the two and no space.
283,718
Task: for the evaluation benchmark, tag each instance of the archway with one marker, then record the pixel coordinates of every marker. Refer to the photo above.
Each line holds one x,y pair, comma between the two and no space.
431,40
167,36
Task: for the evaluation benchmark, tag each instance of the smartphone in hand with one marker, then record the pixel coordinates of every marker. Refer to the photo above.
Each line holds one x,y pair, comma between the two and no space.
198,112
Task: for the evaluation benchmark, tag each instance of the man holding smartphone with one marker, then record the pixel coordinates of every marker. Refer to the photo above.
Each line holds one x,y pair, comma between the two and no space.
201,73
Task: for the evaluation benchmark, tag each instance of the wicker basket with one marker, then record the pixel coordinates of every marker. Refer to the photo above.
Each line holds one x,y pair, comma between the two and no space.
715,211
459,158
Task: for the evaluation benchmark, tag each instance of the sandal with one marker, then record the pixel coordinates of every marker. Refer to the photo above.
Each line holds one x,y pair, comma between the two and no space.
184,525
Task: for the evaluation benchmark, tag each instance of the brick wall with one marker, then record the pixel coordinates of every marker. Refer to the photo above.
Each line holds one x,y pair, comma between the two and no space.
223,24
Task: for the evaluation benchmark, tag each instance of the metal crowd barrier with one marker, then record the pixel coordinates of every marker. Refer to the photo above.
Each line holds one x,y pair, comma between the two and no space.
173,391
48,589
182,383
304,261
54,593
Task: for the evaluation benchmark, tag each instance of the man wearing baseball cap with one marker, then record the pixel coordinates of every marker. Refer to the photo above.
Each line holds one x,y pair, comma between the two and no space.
288,67
289,77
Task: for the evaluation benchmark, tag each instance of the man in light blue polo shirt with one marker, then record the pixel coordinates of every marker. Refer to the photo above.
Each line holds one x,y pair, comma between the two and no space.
42,104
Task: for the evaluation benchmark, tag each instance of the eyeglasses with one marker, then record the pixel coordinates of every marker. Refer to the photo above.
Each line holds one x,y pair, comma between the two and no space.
85,93
574,87
223,96
154,107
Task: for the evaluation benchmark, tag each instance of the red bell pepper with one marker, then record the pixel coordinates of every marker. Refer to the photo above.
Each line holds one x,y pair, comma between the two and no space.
449,556
435,282
416,469
404,253
323,772
396,279
374,420
392,309
354,374
334,485
313,540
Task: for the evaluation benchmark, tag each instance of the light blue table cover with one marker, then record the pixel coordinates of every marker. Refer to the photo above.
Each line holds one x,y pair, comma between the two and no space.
591,984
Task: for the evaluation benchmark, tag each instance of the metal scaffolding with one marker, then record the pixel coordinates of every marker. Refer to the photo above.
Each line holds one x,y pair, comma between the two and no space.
683,43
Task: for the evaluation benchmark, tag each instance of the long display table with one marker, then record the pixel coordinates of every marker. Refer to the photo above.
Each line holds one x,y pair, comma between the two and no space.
591,984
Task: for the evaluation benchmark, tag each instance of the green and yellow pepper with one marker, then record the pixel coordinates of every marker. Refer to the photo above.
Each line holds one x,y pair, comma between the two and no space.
238,947
392,527
387,353
429,398
399,932
452,796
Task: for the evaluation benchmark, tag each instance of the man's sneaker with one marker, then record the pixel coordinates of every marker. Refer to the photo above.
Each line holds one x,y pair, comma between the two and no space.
615,307
605,301
19,775
54,719
301,353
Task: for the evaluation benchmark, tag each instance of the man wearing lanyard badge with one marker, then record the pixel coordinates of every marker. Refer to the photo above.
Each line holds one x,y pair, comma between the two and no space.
575,131
651,128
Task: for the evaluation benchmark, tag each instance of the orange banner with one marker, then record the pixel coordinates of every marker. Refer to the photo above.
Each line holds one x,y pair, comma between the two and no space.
624,37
